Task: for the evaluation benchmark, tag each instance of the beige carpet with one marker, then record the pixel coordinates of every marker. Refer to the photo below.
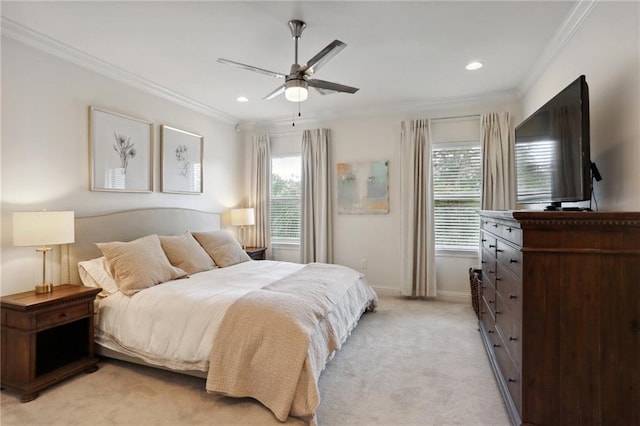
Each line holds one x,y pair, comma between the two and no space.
410,363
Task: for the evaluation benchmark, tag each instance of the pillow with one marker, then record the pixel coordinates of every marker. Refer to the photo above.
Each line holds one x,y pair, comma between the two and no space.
222,247
95,273
139,264
184,252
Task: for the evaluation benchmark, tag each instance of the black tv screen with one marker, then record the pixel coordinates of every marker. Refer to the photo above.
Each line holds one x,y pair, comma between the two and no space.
552,150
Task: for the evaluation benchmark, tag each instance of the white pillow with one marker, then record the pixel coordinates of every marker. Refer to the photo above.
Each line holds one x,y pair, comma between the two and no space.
222,247
95,273
139,264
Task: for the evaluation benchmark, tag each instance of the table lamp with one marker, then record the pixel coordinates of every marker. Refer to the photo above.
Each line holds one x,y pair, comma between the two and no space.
242,218
43,229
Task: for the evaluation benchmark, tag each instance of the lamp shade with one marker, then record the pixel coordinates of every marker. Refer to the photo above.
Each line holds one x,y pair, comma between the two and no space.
243,217
43,228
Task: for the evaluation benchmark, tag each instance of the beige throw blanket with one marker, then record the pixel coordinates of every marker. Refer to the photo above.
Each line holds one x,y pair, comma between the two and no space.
274,342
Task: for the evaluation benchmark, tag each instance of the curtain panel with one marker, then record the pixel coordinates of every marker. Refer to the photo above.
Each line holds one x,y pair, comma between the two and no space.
418,269
498,175
260,184
316,238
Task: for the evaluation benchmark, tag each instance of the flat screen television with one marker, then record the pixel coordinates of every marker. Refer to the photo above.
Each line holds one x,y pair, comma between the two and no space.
552,159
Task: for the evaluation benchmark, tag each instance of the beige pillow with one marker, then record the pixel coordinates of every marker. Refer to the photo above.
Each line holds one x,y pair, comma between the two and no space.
185,253
222,247
139,264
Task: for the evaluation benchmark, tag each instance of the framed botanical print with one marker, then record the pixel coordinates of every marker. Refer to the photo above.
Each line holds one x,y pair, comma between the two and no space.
181,161
120,152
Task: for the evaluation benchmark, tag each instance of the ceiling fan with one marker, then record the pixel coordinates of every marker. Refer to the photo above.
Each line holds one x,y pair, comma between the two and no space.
299,77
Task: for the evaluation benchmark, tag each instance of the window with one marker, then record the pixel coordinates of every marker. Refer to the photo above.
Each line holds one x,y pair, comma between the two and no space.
457,188
286,203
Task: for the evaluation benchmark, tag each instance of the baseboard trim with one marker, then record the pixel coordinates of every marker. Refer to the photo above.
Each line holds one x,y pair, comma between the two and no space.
444,295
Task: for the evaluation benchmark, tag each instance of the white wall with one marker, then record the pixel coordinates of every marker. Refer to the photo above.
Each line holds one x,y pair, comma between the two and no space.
376,237
45,159
606,49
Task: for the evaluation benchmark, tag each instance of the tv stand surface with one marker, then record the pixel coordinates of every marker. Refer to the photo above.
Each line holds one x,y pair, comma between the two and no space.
558,208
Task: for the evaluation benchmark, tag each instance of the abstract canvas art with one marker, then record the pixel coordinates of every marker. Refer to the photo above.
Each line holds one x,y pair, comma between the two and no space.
363,187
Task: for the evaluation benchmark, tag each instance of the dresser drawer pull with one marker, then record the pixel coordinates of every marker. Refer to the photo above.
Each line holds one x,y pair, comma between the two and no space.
490,331
483,262
484,239
499,250
513,339
513,261
495,225
512,380
490,301
498,312
492,272
492,246
513,296
509,229
498,278
495,345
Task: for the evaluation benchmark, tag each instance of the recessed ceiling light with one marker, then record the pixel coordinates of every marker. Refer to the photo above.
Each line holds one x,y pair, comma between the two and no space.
242,99
474,65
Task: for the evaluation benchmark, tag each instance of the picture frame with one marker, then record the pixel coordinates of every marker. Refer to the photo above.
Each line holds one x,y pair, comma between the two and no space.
120,152
181,161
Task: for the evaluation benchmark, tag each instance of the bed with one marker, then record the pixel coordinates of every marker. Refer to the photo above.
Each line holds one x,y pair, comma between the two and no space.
180,294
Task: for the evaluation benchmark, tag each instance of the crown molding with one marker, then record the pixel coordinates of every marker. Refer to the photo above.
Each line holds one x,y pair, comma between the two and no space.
22,34
405,108
559,41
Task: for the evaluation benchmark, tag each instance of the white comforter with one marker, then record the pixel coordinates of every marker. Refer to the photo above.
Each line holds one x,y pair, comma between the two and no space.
173,324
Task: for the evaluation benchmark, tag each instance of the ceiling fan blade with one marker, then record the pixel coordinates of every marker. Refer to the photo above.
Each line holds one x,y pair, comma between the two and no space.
252,68
323,86
323,57
277,92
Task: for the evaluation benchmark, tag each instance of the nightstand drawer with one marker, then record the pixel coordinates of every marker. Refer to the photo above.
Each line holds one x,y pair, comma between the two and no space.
62,315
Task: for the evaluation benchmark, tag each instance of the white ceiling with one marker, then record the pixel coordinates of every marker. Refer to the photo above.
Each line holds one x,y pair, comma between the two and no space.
398,53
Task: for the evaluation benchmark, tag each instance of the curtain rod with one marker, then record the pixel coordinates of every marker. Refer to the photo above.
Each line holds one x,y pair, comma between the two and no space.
456,116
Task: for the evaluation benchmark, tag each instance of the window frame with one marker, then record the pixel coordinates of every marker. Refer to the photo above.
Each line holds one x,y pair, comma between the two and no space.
285,243
453,251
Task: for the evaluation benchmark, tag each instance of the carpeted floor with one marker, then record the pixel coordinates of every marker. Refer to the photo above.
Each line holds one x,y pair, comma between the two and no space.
410,363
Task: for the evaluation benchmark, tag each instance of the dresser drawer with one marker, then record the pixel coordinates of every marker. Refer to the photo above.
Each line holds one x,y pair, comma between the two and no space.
510,373
510,330
510,257
488,242
62,314
510,288
488,301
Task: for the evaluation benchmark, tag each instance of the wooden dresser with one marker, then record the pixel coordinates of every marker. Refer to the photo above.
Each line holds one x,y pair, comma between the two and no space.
560,315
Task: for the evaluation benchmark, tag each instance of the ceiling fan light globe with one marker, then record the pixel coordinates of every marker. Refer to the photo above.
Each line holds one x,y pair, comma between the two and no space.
296,91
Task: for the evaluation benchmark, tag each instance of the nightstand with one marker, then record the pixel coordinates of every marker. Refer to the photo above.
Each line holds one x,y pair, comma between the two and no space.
46,338
256,253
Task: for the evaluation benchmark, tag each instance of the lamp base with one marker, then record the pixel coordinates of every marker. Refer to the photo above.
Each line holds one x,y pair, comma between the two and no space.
44,288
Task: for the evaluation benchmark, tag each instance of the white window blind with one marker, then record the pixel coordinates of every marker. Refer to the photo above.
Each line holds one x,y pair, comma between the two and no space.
457,188
285,207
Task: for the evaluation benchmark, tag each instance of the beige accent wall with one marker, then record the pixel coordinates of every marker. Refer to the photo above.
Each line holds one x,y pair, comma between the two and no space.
606,49
45,159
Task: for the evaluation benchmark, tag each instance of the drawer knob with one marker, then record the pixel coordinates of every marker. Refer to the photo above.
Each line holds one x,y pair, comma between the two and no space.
495,225
492,246
498,312
484,239
513,261
512,380
499,250
490,301
483,262
498,278
513,339
495,345
509,229
513,296
490,331
492,272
